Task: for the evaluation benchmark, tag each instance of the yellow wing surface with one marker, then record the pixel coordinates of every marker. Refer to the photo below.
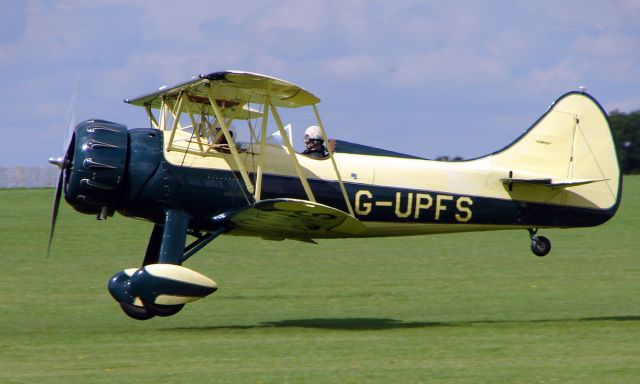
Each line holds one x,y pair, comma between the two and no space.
230,89
295,219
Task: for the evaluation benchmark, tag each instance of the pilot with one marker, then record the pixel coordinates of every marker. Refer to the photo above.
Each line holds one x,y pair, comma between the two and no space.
222,139
314,144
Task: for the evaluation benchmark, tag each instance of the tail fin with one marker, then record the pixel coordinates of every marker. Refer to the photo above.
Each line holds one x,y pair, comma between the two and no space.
570,148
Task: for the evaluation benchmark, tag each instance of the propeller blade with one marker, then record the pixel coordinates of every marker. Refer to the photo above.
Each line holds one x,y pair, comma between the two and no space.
73,107
63,162
54,209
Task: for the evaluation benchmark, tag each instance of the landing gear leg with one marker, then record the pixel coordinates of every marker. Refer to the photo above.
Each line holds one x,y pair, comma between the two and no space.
166,245
153,248
168,250
540,245
162,286
174,236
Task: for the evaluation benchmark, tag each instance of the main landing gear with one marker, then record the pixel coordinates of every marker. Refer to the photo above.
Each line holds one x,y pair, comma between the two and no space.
540,245
163,286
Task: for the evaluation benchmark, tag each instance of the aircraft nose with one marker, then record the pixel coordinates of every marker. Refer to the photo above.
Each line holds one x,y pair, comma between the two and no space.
97,167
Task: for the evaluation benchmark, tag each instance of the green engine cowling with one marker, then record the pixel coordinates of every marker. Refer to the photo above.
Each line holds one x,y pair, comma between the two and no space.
96,170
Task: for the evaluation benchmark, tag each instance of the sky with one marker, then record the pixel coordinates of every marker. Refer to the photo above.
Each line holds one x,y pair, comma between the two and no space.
427,78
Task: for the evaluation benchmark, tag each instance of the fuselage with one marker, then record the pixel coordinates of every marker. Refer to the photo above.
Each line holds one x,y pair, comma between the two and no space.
391,196
562,172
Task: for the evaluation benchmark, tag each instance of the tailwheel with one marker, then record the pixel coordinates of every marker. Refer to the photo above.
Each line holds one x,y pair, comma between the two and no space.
540,245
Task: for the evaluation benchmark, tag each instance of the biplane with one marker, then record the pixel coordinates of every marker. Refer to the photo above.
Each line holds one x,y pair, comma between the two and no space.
210,164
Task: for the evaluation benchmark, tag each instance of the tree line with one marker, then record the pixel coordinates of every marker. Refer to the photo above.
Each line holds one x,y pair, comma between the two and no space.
626,134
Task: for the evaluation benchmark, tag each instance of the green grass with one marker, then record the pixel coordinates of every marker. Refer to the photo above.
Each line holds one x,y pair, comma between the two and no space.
464,308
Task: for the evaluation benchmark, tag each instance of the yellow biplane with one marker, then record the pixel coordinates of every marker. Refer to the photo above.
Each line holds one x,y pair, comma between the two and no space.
219,159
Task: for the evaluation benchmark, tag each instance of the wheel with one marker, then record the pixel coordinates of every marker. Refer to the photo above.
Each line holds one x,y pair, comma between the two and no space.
135,312
162,310
120,286
540,245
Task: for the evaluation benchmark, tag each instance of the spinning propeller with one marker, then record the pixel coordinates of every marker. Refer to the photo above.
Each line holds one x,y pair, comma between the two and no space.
64,161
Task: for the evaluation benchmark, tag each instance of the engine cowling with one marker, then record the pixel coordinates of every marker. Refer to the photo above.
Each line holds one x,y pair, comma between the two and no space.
96,170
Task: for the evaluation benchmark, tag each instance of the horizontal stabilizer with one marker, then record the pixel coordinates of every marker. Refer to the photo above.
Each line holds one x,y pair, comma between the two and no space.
554,183
295,219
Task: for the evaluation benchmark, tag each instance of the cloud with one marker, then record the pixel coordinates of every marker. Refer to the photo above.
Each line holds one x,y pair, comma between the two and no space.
360,66
460,69
417,61
544,80
12,21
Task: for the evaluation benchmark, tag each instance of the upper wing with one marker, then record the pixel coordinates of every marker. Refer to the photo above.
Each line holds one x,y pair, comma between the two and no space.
231,88
294,219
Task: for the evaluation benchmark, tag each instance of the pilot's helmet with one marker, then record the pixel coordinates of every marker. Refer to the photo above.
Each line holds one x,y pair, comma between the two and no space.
313,133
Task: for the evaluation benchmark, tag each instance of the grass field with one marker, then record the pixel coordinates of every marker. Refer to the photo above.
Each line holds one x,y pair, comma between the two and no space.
465,308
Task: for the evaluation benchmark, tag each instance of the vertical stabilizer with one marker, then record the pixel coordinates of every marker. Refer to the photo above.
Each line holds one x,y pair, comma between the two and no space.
570,147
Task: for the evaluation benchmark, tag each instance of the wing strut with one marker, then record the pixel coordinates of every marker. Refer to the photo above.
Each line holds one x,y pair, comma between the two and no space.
333,160
153,120
292,153
232,143
176,119
263,144
196,129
